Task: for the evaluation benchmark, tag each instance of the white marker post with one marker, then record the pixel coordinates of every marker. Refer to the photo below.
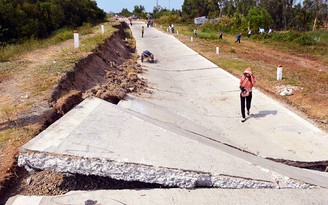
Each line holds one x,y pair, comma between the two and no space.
177,32
191,39
217,51
76,39
102,29
279,72
167,30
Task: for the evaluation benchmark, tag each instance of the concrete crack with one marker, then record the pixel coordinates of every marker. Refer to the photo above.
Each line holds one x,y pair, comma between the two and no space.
137,172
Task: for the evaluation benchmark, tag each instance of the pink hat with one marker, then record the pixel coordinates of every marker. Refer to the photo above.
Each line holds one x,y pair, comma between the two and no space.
248,70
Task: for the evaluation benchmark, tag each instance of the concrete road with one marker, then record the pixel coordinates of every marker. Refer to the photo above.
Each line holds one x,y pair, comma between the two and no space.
180,196
189,86
186,134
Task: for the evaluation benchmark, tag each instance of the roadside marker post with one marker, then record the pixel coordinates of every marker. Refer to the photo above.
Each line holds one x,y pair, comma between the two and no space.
76,39
279,72
102,29
191,39
217,51
177,32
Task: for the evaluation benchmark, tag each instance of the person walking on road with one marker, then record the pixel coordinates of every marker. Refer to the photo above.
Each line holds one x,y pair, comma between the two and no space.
247,81
142,31
238,38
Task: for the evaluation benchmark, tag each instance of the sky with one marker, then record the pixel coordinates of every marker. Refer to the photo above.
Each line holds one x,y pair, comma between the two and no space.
117,5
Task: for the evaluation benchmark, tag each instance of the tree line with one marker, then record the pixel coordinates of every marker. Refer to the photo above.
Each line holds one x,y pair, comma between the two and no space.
21,19
275,14
283,14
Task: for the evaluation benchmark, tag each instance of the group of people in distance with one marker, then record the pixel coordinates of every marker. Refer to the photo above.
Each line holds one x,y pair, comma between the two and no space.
238,38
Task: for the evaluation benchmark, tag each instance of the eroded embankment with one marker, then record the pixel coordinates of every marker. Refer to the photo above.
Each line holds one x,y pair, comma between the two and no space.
109,72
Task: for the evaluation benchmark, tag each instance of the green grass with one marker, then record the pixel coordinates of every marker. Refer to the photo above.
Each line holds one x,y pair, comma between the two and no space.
46,76
32,44
323,35
231,64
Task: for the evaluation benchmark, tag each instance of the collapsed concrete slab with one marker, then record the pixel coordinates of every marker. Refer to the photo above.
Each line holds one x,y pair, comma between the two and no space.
180,196
99,138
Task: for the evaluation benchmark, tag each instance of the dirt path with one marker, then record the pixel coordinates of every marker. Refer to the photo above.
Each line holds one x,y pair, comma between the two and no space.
16,96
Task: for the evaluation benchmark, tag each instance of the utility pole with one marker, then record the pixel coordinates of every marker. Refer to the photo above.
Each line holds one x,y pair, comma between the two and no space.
156,3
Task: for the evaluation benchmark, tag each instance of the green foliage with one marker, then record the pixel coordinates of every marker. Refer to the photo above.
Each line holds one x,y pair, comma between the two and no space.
158,12
21,19
139,11
277,14
320,35
259,18
225,24
125,12
169,18
59,35
296,37
196,8
208,35
85,29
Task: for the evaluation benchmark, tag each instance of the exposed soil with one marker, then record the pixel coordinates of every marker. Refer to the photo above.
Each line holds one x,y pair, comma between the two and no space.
49,183
110,72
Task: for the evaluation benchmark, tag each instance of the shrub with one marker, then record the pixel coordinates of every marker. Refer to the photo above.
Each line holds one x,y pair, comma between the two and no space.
169,19
289,37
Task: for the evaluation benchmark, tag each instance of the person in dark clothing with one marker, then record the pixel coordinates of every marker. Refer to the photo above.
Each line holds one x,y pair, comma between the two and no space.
221,33
142,31
238,38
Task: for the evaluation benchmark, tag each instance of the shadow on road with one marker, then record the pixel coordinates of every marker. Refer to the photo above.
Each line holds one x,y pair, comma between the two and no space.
264,113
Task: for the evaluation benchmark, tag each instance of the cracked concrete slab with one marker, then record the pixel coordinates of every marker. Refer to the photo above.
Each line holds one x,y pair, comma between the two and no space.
99,138
210,98
180,196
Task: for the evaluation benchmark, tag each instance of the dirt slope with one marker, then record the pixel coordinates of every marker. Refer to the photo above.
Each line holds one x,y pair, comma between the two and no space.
109,72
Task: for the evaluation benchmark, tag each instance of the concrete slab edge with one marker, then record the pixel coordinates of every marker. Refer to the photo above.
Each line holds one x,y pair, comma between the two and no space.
149,174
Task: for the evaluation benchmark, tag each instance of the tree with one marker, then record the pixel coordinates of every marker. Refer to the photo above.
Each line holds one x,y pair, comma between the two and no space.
302,19
194,8
243,6
259,18
125,12
139,11
20,19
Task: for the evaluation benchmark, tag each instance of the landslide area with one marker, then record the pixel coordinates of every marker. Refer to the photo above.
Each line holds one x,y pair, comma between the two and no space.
109,72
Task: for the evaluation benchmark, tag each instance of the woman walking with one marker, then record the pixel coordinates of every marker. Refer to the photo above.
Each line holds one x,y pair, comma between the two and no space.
247,81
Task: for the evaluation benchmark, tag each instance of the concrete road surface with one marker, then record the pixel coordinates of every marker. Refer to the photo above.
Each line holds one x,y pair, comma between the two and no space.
187,134
180,197
188,85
